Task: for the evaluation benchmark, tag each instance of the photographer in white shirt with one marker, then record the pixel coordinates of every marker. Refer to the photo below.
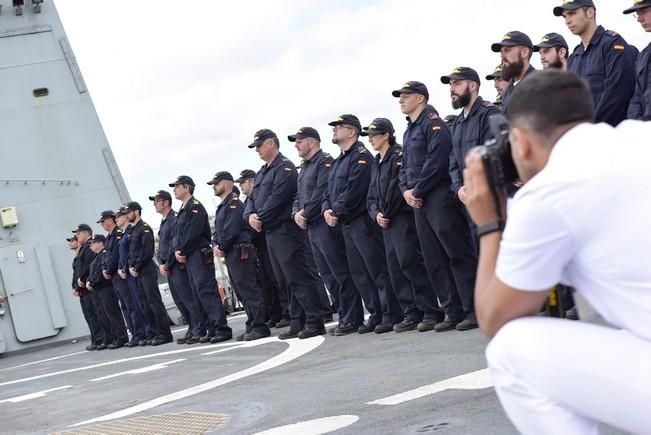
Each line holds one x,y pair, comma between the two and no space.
582,218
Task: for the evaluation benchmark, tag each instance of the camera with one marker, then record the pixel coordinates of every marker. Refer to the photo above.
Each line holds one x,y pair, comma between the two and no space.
496,155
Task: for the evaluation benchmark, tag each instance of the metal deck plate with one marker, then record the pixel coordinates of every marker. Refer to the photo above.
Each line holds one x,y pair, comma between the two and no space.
184,423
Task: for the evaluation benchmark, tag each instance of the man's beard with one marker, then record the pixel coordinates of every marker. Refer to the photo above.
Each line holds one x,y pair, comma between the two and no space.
512,70
556,65
335,140
462,100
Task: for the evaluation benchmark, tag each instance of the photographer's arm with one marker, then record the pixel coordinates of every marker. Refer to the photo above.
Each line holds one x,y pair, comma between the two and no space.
496,303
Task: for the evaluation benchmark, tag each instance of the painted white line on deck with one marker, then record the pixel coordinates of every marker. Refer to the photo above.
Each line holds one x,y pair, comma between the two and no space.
44,360
470,381
194,348
141,370
296,349
32,396
313,427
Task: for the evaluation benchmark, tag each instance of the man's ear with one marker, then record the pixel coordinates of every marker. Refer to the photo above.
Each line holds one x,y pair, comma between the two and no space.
521,144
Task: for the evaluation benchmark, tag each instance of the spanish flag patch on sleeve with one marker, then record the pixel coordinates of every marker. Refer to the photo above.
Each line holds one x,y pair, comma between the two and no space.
619,47
361,162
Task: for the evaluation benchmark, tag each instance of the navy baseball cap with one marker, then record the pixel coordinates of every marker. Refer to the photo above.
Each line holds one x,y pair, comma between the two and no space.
261,136
637,5
511,39
182,179
219,176
161,194
99,238
70,239
461,73
571,5
449,119
246,174
106,214
347,119
378,126
304,132
133,206
550,40
83,227
497,74
412,87
121,211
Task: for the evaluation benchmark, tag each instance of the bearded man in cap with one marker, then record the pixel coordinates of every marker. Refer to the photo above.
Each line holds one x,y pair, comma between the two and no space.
515,50
192,247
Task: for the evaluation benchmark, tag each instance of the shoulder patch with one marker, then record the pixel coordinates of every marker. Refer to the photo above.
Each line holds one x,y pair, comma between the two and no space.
195,202
436,127
144,224
361,162
287,169
327,165
233,206
618,47
195,211
362,150
146,231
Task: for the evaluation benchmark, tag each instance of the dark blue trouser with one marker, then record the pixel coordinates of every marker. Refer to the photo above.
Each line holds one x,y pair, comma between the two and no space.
407,269
92,319
134,319
184,297
242,275
286,244
140,310
276,298
102,319
326,280
449,255
111,309
204,287
148,284
329,250
366,259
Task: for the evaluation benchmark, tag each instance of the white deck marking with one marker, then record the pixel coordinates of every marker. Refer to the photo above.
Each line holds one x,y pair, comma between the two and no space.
313,427
296,349
44,360
32,396
122,360
470,381
141,370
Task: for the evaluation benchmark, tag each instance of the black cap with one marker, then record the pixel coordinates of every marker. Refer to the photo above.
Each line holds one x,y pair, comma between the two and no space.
304,132
99,238
570,5
83,227
70,239
261,136
637,5
182,179
497,74
461,73
378,126
550,40
106,214
512,39
449,120
219,176
347,119
133,206
246,175
412,87
121,211
161,194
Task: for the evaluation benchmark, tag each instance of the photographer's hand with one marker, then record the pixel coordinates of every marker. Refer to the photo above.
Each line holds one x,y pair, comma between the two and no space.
478,196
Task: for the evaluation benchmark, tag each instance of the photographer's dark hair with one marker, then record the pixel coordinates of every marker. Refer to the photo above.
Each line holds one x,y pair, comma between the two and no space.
549,99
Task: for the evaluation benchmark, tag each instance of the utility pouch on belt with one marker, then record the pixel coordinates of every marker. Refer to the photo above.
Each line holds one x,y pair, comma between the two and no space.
207,255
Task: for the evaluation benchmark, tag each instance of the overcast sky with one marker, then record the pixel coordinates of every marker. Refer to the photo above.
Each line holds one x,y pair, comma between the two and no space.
181,87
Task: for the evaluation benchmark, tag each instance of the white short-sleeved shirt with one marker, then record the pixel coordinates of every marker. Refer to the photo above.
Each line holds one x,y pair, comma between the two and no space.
585,221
